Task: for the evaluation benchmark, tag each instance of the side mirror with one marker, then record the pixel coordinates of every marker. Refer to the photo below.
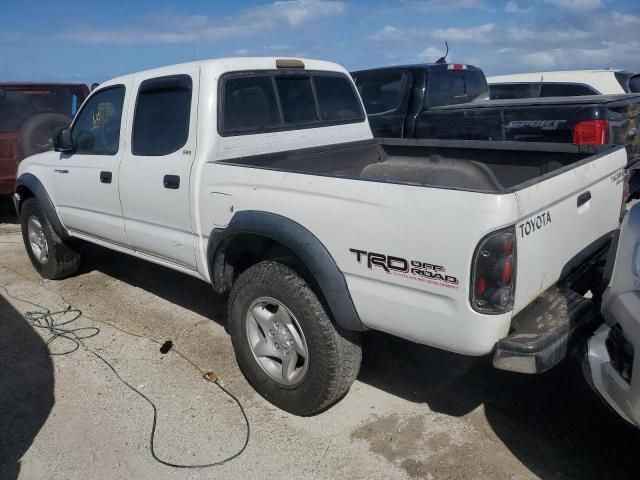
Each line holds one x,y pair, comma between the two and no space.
62,141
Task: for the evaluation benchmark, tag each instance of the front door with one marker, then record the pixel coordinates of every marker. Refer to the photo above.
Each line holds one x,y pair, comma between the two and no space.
85,182
156,168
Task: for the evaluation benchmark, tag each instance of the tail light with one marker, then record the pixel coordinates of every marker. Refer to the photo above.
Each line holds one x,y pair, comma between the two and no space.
626,194
591,132
493,272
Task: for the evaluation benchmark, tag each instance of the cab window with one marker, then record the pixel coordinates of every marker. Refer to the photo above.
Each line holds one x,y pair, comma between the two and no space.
452,87
162,116
380,93
566,90
96,130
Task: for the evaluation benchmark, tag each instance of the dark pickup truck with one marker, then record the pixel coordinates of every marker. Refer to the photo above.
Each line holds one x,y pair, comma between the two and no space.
30,114
451,101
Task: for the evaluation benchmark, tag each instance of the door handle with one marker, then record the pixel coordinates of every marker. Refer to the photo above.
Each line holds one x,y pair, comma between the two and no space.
171,181
583,198
105,177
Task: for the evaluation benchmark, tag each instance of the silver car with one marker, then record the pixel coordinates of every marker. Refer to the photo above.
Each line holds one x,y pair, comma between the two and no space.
612,364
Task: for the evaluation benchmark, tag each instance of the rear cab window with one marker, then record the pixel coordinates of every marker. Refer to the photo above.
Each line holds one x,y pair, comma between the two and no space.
381,93
566,90
452,87
19,103
507,91
269,101
634,84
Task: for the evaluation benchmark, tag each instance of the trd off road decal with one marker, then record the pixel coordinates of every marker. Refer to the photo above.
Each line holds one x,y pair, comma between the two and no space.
534,224
401,267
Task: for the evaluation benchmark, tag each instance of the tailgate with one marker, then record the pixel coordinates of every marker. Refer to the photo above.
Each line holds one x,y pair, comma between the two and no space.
563,218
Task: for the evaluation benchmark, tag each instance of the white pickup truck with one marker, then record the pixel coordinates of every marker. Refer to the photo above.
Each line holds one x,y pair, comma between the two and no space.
261,177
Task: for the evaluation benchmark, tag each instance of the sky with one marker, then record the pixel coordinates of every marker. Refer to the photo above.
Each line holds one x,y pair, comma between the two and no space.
83,41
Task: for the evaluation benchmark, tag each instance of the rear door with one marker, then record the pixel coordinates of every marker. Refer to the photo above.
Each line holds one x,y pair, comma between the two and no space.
385,97
565,218
156,168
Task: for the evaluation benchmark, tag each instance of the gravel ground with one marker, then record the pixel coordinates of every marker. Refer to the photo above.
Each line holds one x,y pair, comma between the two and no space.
414,412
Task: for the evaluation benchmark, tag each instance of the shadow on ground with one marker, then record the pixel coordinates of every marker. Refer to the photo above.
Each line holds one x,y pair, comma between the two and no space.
26,388
552,423
178,288
7,212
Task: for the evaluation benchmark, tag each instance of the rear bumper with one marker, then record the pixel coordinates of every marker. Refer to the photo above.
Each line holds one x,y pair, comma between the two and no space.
545,331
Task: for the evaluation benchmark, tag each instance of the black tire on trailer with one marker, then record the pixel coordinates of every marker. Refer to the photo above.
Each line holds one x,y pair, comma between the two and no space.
37,133
51,257
287,346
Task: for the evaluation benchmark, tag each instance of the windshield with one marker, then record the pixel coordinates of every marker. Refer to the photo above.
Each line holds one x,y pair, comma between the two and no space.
18,104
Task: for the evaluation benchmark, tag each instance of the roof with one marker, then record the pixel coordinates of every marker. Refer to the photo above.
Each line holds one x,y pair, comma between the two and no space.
39,85
604,81
416,66
222,65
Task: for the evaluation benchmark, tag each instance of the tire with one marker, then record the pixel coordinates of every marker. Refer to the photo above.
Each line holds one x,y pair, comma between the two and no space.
333,356
37,133
60,260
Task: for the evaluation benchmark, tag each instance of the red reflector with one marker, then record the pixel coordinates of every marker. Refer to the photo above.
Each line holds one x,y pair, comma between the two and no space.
508,245
591,132
506,271
481,286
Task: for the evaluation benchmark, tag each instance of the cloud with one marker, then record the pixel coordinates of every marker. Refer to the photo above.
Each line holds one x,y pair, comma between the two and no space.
571,41
168,27
431,54
513,7
481,33
390,33
577,4
444,5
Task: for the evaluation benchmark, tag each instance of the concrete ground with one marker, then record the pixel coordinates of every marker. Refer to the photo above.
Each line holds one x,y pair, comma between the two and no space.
414,412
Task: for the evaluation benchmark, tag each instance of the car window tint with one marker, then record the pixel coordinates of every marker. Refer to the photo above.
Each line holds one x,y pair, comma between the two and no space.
161,118
17,105
634,84
476,85
96,129
458,88
565,90
380,93
296,99
250,105
336,98
507,91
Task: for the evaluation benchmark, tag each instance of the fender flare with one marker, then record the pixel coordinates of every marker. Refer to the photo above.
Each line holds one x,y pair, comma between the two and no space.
304,244
31,182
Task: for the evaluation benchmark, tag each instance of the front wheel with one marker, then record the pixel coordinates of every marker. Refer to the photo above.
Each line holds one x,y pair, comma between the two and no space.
286,344
51,257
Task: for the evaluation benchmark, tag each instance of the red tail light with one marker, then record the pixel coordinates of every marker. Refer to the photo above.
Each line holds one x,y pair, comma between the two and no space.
493,272
591,132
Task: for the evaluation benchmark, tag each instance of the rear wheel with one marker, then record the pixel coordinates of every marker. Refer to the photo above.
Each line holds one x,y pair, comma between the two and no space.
51,257
285,343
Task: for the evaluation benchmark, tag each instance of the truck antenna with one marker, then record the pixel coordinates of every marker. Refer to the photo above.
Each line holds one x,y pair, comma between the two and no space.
444,59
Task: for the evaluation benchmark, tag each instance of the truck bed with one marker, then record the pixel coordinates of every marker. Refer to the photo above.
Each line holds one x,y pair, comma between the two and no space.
480,166
545,101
